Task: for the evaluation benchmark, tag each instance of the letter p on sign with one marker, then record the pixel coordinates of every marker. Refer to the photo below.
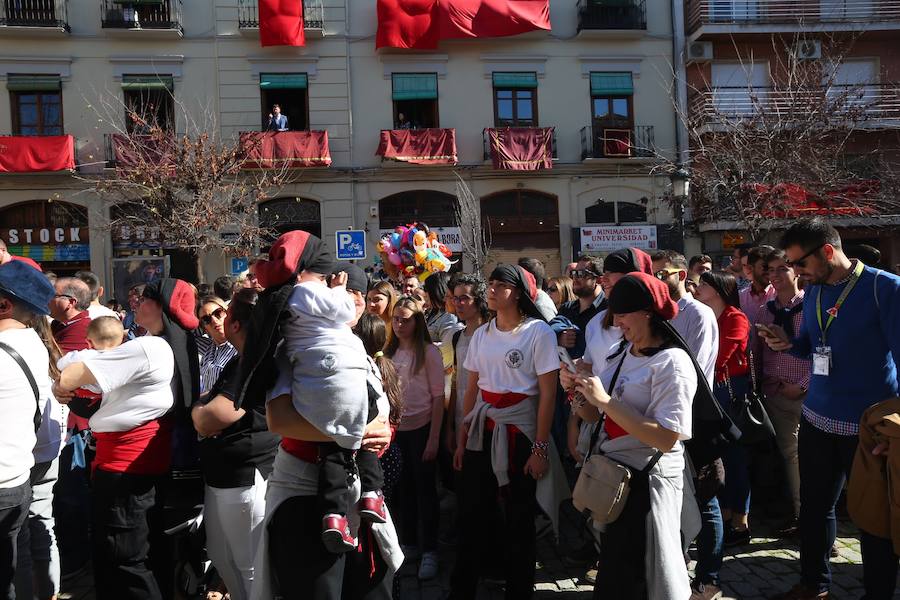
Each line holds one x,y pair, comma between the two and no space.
350,244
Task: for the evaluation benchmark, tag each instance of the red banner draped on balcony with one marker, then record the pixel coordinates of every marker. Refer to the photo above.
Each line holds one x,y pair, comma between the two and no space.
33,154
422,23
419,146
521,148
286,148
281,23
142,150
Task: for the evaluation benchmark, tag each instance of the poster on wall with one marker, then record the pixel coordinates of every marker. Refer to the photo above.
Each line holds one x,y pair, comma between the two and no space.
128,272
606,238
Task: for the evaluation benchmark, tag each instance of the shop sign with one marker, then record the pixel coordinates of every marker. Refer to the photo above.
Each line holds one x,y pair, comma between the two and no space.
732,239
606,238
45,235
136,236
448,236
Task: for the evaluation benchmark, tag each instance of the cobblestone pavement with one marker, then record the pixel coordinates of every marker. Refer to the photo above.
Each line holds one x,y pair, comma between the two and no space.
753,572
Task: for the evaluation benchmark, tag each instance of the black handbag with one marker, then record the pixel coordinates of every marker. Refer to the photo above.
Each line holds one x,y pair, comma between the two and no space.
747,410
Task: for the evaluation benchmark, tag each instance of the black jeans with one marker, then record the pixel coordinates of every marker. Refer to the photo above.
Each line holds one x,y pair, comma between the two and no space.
72,511
825,462
482,506
622,573
303,569
14,504
337,467
121,536
416,494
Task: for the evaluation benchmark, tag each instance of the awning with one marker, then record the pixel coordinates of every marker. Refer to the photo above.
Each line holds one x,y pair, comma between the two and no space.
419,146
33,83
414,86
34,154
148,82
283,81
515,80
611,84
278,149
521,148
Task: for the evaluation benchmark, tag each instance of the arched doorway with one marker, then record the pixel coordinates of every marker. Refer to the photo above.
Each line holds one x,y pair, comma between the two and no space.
281,215
53,233
522,223
435,209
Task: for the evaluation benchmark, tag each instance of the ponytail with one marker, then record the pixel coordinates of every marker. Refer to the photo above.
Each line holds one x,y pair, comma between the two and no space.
390,381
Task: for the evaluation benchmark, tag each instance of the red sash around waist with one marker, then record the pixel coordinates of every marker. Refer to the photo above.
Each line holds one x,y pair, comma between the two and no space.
144,450
613,429
504,400
305,451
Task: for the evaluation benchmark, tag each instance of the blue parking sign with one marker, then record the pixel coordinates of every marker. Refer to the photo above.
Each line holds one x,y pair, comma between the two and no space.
239,265
350,244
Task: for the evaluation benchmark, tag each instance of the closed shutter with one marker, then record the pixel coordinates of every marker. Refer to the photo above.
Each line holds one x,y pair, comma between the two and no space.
611,84
414,86
508,81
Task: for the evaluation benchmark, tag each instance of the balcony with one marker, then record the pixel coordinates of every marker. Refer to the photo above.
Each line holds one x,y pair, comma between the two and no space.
613,142
285,149
487,143
154,19
36,154
34,16
430,146
764,16
599,15
870,105
313,17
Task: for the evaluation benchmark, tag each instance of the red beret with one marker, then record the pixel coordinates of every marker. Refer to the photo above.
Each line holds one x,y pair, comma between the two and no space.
284,256
640,291
181,305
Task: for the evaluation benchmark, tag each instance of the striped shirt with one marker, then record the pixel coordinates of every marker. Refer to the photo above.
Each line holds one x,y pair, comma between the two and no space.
213,358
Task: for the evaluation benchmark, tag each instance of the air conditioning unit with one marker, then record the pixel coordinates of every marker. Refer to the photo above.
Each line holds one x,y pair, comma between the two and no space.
808,50
699,52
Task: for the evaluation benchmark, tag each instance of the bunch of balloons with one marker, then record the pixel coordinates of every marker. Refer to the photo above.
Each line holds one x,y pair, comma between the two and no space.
413,250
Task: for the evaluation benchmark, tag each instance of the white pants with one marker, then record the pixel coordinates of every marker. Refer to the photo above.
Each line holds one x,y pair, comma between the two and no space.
234,521
37,575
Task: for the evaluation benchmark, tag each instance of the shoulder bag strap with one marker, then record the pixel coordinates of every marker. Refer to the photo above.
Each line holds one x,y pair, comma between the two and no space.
34,388
612,384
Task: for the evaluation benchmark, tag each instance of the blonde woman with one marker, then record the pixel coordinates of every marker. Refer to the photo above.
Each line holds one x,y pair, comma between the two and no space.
560,290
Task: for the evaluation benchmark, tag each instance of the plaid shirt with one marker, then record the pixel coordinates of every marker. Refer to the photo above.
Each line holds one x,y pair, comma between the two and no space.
829,425
781,366
754,305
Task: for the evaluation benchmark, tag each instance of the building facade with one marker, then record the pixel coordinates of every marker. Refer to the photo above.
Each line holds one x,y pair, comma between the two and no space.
602,79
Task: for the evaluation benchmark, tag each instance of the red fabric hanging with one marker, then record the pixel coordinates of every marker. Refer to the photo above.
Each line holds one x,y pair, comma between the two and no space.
281,23
419,146
521,148
422,23
297,148
30,154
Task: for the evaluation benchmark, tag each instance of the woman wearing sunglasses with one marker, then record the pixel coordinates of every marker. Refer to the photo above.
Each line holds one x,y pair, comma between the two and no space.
215,350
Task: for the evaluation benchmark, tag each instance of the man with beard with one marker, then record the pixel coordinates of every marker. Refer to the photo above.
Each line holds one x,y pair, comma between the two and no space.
590,300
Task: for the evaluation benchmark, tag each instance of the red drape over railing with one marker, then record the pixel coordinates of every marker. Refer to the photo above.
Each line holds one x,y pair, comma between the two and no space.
134,150
422,23
268,149
281,23
35,154
419,146
521,148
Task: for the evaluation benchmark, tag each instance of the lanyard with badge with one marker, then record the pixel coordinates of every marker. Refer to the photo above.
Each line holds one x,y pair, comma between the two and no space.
822,355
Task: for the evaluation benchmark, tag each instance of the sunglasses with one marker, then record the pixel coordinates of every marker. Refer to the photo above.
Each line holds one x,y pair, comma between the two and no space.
217,314
665,273
65,296
801,262
582,274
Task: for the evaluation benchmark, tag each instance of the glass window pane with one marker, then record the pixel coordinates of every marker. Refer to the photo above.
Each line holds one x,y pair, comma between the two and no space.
601,107
620,107
50,98
504,94
51,115
28,114
499,206
28,131
27,98
504,109
523,108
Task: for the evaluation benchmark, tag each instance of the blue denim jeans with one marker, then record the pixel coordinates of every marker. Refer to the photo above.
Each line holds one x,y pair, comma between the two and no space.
710,543
736,458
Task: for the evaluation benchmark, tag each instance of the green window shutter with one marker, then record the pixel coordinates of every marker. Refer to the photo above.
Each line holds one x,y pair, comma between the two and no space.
515,80
33,83
148,82
283,81
611,84
414,86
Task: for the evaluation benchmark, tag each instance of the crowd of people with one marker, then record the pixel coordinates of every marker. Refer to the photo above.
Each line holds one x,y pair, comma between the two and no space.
317,414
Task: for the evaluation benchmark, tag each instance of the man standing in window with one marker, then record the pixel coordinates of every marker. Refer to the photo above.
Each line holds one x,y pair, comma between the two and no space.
277,121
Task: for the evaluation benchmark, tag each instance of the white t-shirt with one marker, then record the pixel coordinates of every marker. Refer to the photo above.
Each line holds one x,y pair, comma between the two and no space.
77,356
660,387
17,403
511,361
136,382
600,342
696,323
98,310
462,376
545,306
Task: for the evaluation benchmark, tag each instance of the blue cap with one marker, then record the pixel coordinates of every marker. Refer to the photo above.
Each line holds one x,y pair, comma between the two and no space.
27,286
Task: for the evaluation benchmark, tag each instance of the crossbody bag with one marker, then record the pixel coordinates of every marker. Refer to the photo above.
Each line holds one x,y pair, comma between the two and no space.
28,375
603,484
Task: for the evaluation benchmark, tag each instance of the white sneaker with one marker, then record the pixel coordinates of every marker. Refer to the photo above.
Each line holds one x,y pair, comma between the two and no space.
428,568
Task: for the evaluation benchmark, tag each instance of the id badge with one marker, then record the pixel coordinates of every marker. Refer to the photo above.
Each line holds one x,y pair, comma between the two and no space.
822,360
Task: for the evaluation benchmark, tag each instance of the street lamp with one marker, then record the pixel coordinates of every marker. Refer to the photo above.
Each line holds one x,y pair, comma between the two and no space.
681,189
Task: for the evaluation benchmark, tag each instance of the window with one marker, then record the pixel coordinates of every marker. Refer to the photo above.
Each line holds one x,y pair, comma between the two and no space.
415,99
281,215
615,212
611,95
36,103
149,103
515,99
288,91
